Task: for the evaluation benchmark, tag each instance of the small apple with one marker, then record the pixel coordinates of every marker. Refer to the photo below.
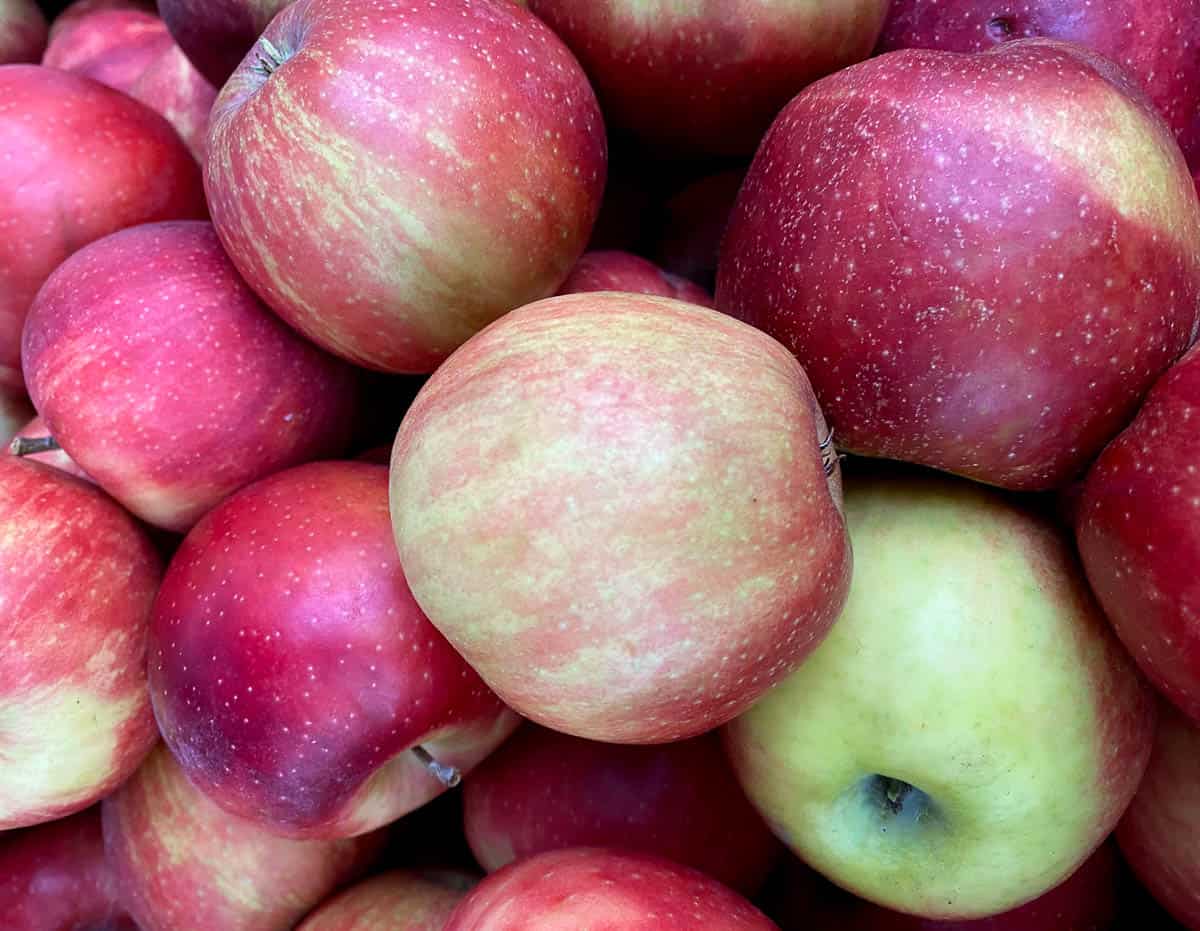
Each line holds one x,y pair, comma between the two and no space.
400,900
593,888
22,32
971,729
217,34
693,223
616,507
614,270
292,673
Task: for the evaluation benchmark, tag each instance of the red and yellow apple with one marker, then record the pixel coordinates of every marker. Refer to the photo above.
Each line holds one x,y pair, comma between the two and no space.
399,900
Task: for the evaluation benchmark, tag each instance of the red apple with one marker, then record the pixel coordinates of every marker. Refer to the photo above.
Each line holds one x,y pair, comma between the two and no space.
1155,43
40,446
183,862
91,161
982,261
1160,833
54,877
400,900
693,223
292,672
1138,528
217,34
74,12
14,411
708,78
616,507
168,381
595,888
75,597
390,197
543,790
22,32
613,270
132,51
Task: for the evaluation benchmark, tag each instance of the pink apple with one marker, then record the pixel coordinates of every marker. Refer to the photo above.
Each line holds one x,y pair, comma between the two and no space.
75,597
400,900
593,888
1160,833
168,382
22,32
1155,42
183,862
14,411
410,189
217,34
39,446
92,161
616,507
613,270
982,261
693,223
54,877
292,672
705,78
543,790
1138,527
79,10
132,51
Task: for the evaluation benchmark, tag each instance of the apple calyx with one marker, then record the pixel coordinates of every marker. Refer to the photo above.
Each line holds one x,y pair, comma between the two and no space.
449,776
32,445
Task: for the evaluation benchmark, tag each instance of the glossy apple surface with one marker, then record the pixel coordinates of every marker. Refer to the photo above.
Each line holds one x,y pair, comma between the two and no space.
22,32
217,34
615,270
400,900
969,258
615,507
971,729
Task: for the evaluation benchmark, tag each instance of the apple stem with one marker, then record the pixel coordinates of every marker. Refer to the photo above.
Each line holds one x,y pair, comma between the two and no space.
896,791
449,776
271,60
32,445
829,453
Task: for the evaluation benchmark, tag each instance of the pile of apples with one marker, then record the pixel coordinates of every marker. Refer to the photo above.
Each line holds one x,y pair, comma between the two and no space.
551,465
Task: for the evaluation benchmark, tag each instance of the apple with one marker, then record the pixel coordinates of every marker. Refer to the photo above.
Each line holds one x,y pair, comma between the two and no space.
1139,536
54,877
133,168
75,598
34,442
410,189
705,78
543,790
22,32
163,376
693,222
14,411
616,507
1153,42
73,12
183,862
592,888
614,270
982,261
292,673
217,34
399,900
131,50
971,730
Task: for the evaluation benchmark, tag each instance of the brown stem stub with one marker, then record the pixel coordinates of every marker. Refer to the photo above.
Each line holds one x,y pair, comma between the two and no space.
449,776
32,445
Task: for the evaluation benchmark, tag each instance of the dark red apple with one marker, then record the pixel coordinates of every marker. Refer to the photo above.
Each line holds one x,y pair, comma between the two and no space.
54,877
217,34
596,888
400,900
693,222
543,790
22,32
167,380
982,261
1155,43
410,189
183,862
75,596
613,270
84,161
1138,529
293,673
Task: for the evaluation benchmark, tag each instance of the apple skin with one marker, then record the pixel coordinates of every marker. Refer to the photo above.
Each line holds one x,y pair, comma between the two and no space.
54,877
163,376
328,671
73,13
23,31
1154,43
131,50
399,900
1023,761
988,288
598,889
75,599
398,210
217,34
693,222
57,458
704,78
94,161
183,862
584,545
543,790
614,270
14,411
1139,537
